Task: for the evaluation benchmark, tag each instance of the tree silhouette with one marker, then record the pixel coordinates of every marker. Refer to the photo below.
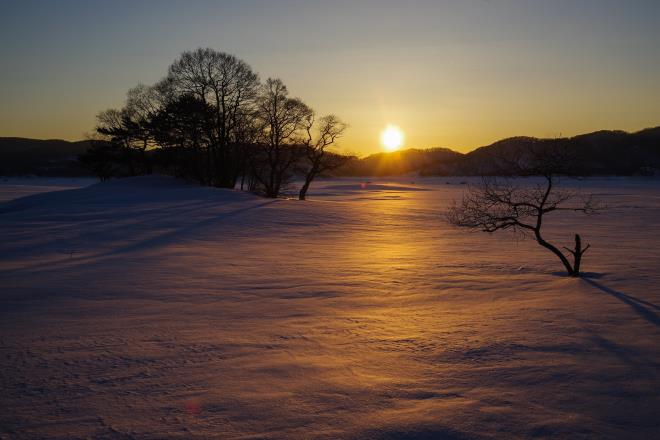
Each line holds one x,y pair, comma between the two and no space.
130,127
283,121
330,128
211,120
229,86
503,204
103,158
183,129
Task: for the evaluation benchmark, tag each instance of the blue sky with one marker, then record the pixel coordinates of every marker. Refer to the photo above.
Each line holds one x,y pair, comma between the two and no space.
449,73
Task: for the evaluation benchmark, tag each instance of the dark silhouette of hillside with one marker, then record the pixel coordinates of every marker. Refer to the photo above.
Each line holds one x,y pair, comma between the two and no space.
399,162
598,153
53,157
602,152
612,152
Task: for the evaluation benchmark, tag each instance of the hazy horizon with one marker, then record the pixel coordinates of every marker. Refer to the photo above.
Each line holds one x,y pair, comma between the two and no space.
449,74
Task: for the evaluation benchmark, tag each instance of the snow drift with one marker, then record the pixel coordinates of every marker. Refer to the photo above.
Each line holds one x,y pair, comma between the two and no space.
150,308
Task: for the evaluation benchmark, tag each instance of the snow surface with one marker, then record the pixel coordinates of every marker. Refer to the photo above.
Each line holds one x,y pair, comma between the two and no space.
14,187
148,308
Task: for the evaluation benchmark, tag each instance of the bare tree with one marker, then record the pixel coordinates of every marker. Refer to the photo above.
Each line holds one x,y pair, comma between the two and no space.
283,121
130,127
330,128
142,104
247,136
229,85
502,204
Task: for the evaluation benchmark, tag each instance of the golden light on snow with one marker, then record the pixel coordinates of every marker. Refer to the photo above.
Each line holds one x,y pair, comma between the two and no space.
391,138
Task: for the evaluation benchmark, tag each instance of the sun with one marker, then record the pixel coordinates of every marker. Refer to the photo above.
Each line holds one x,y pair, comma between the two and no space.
391,138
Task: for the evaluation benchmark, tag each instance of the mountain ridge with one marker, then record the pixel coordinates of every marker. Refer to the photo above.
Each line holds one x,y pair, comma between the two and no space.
598,152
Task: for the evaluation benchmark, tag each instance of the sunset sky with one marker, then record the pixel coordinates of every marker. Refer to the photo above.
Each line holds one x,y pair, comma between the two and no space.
458,74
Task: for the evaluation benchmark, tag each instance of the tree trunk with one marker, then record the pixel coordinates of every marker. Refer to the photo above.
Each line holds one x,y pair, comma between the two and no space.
209,166
555,251
305,187
303,190
577,254
314,170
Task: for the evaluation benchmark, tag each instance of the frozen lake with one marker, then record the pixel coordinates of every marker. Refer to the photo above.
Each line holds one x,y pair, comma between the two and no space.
147,308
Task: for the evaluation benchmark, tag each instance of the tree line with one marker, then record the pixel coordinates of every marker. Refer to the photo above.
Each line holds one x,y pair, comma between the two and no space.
212,120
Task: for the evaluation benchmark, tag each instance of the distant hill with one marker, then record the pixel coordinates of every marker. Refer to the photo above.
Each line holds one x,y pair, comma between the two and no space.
53,157
602,152
398,162
598,153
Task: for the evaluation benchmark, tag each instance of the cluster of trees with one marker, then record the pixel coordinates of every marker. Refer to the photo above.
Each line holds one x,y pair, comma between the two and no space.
212,120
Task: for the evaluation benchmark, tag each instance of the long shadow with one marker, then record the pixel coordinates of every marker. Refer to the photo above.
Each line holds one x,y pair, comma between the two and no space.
144,217
415,434
629,355
169,237
156,241
636,304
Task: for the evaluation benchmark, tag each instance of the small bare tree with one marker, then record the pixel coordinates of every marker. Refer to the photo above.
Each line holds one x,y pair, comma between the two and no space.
330,128
282,126
500,203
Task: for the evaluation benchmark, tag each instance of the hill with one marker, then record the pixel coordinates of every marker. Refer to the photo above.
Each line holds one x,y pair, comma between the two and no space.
603,152
52,157
598,153
399,162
